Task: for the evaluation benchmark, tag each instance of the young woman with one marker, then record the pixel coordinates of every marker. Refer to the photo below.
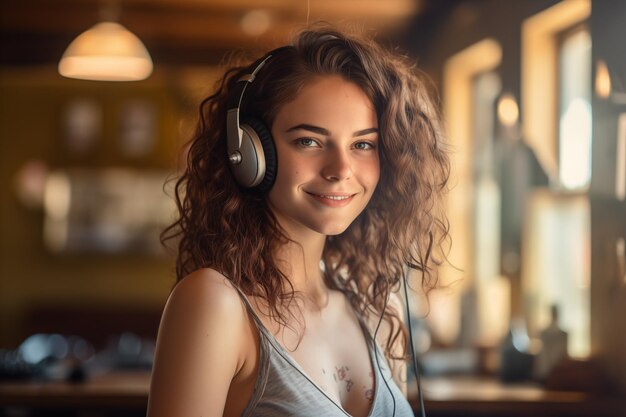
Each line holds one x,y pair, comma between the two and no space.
312,185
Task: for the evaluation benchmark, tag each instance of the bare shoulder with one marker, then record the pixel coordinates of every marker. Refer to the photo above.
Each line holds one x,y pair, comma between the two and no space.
206,285
204,298
200,347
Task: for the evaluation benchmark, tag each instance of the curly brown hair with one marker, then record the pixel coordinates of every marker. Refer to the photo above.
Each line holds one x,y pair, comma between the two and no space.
234,231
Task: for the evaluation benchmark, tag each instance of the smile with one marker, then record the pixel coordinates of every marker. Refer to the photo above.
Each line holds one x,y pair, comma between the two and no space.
332,200
336,197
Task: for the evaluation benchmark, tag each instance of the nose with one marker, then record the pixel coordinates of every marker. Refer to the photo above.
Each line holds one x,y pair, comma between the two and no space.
338,166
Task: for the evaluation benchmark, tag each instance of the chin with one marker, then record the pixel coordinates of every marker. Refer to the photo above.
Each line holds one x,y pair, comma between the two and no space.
330,228
334,232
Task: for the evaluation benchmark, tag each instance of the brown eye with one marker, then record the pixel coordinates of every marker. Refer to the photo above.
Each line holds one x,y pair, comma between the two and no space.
307,142
364,146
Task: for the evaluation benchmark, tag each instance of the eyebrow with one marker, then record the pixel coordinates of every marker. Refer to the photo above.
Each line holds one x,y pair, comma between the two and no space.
325,132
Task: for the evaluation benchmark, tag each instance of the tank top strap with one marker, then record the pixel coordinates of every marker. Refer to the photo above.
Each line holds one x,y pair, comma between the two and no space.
264,359
251,310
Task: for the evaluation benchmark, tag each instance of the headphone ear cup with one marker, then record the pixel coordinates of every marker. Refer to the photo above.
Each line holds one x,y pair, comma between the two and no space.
269,151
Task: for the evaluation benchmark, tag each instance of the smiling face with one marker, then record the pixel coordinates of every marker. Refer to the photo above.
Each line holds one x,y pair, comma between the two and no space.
328,165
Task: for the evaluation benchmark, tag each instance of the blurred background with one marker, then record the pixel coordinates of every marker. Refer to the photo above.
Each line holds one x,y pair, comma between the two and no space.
532,317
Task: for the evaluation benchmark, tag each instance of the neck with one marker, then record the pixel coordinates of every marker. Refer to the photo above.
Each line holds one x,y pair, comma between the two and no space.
300,260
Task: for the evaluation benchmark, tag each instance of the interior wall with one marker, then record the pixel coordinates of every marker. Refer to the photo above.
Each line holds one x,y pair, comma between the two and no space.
31,276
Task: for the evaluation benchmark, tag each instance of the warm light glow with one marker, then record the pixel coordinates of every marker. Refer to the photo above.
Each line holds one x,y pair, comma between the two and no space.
256,22
508,112
106,52
620,162
494,310
603,80
57,201
620,249
30,183
57,196
539,101
575,122
575,130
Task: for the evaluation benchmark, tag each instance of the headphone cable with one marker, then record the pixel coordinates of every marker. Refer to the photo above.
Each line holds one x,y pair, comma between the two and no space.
413,354
382,376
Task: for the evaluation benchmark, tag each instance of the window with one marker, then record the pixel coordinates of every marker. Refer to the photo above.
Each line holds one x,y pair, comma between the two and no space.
556,98
574,136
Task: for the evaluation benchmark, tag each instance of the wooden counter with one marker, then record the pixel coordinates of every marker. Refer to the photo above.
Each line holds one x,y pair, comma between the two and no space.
126,393
476,396
119,390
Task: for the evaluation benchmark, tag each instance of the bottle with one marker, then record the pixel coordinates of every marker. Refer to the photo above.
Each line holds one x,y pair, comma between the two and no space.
554,347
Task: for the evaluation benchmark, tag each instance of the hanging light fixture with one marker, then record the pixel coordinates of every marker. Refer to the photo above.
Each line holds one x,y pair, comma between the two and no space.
106,52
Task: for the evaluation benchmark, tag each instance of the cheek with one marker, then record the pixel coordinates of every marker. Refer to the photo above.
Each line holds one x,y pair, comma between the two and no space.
377,171
291,167
373,174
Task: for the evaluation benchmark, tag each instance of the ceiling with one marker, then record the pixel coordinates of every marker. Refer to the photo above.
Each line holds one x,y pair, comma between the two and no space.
187,31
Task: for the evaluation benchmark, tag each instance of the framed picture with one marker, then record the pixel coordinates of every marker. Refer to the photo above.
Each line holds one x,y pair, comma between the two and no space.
137,127
82,125
112,210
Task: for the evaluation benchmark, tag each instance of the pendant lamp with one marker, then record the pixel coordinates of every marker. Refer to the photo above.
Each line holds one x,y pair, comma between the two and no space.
106,52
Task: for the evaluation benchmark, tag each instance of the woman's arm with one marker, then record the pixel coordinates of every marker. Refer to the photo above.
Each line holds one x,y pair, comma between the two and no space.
198,347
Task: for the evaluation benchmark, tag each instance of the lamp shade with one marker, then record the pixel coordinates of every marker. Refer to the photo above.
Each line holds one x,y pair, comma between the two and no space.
106,52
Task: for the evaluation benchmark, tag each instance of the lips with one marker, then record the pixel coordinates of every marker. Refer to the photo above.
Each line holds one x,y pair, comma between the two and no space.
332,199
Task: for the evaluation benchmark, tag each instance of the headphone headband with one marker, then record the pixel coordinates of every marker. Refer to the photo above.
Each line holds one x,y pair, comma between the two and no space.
232,117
